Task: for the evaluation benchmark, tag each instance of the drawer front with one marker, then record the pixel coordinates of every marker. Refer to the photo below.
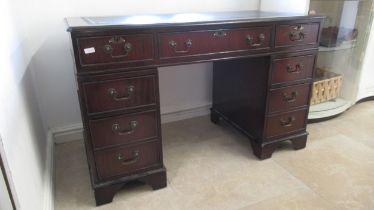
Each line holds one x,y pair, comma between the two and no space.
286,123
282,99
125,93
115,49
292,68
123,129
127,160
205,42
298,34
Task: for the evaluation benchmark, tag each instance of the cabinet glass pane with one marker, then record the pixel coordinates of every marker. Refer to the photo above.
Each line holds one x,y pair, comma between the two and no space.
342,48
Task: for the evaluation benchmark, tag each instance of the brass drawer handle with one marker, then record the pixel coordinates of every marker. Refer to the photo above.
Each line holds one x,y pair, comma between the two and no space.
188,45
297,69
291,98
117,128
298,35
127,46
287,122
250,40
298,28
114,94
128,161
220,34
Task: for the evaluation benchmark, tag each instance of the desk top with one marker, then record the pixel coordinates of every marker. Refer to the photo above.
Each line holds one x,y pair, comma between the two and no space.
180,19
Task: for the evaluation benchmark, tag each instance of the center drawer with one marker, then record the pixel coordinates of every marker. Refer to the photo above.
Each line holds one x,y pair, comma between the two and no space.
205,42
128,160
120,94
123,129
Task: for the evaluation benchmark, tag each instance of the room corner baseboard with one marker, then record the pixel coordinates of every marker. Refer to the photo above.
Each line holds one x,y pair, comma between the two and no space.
74,132
68,133
185,114
49,192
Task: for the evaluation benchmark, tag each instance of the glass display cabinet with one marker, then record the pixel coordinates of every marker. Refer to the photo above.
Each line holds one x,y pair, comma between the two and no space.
342,49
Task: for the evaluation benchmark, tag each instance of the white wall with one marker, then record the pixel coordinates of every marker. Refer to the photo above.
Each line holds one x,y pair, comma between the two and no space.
291,6
5,202
5,194
366,85
21,127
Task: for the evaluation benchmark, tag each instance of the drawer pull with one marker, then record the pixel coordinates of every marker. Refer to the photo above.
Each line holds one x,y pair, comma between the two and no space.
296,36
299,28
291,98
128,161
114,94
250,40
174,44
127,46
287,122
220,34
117,128
297,69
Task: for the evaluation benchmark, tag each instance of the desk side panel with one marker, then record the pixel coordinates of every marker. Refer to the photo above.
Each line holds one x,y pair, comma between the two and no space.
239,93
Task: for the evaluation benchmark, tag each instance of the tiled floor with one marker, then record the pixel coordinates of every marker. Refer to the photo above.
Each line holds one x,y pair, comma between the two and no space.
212,167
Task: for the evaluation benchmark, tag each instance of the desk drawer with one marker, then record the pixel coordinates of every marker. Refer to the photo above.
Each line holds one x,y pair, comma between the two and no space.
298,34
292,68
286,123
115,49
282,99
120,94
123,129
205,42
127,160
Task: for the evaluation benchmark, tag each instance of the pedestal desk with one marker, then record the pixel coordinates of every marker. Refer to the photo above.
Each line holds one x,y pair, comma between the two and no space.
263,66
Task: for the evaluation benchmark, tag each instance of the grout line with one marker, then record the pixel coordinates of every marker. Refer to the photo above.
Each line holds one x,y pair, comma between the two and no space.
359,142
305,184
280,194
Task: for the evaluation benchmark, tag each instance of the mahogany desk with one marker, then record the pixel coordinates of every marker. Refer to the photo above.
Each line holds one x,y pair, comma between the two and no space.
262,75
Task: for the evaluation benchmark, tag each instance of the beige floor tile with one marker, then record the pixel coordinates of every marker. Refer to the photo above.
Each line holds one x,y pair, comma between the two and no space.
303,199
141,197
73,187
320,130
222,173
360,110
191,131
233,188
337,168
361,130
212,167
356,123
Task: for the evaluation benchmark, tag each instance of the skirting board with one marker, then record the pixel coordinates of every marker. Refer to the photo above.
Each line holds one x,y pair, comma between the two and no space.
368,92
185,114
74,132
68,133
49,190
